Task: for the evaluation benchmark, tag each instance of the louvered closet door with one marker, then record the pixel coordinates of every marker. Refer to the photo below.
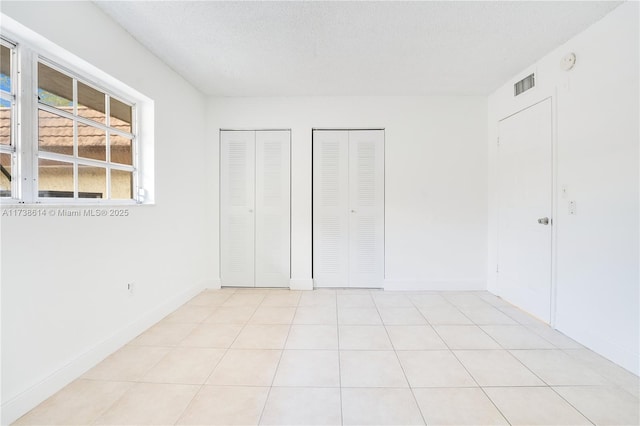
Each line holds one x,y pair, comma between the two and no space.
272,209
237,197
330,208
366,208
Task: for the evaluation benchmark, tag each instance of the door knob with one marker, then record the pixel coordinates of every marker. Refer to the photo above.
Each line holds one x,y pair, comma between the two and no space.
543,221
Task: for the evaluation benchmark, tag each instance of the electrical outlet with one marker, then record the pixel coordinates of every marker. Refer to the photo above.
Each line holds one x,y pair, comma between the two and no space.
572,207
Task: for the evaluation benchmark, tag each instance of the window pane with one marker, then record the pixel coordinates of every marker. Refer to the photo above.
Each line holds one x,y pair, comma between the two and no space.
55,133
92,182
5,123
92,142
121,185
5,69
120,115
121,150
91,103
54,88
5,175
55,178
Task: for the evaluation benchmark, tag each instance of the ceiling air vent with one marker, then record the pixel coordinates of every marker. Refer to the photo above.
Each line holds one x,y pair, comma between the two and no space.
525,84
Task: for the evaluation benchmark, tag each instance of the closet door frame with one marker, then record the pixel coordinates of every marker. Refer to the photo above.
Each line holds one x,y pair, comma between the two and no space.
283,282
347,278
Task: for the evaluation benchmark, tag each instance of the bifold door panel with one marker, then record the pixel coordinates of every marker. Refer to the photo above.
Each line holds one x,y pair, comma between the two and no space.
237,205
366,213
330,208
255,208
272,209
348,208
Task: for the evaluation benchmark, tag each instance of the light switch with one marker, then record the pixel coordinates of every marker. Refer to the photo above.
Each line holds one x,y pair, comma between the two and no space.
564,192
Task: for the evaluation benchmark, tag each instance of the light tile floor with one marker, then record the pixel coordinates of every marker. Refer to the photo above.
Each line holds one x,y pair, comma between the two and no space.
353,357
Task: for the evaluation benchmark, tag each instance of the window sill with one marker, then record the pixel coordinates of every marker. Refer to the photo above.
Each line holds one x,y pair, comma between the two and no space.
82,204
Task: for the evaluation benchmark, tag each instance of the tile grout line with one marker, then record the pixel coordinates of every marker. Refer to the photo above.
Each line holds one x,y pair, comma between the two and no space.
415,399
214,367
571,405
460,362
134,382
471,375
275,372
585,364
546,385
102,413
339,362
204,382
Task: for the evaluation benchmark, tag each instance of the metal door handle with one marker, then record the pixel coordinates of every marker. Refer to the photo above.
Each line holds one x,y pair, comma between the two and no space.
543,221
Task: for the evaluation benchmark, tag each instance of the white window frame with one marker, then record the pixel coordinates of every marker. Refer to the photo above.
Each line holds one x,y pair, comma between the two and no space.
30,48
75,159
11,97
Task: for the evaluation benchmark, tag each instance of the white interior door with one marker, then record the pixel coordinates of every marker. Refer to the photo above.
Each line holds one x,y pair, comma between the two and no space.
524,207
237,198
366,208
272,209
348,208
330,208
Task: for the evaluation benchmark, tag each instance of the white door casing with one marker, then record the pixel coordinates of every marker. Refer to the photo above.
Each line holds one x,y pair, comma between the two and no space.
525,195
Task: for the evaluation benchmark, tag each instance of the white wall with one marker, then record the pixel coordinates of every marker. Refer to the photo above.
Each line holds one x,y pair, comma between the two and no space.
596,159
435,174
64,300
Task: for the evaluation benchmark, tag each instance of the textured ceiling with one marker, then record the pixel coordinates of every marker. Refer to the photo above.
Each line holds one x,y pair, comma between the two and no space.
351,48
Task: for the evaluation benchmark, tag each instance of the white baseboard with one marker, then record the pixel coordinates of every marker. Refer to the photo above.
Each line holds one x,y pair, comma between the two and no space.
214,284
27,400
393,285
615,351
304,284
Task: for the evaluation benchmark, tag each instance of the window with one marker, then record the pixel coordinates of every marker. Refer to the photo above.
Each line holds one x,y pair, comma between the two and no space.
69,132
7,119
86,140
